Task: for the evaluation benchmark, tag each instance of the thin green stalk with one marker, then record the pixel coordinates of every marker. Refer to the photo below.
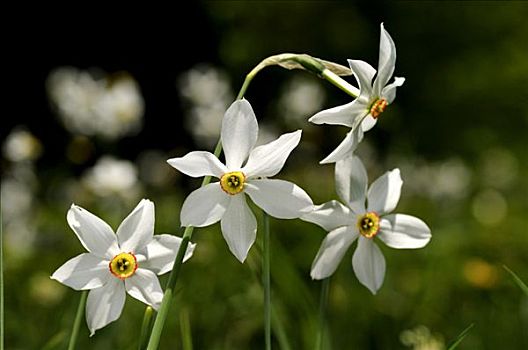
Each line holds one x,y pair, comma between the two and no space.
185,328
323,302
460,337
1,286
77,322
517,280
145,327
340,83
266,279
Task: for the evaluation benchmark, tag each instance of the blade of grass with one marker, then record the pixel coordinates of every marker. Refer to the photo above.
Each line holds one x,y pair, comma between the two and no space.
517,280
77,322
460,337
185,329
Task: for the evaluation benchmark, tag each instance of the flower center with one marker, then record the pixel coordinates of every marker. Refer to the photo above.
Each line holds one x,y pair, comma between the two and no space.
378,107
233,182
369,224
123,265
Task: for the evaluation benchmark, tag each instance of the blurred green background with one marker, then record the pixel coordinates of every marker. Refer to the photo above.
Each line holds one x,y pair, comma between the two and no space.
103,96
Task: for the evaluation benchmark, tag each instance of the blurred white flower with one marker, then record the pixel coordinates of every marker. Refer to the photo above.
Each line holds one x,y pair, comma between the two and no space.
449,179
110,106
301,98
207,93
110,176
21,145
420,338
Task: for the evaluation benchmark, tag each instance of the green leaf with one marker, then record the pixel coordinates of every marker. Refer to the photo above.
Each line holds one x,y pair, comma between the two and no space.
517,280
460,337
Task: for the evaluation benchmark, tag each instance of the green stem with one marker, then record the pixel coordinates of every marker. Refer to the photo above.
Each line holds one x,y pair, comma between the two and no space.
1,285
340,83
185,328
145,327
323,302
266,280
77,322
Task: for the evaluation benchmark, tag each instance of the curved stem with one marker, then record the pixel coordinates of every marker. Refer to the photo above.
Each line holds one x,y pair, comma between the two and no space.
266,280
340,83
323,302
77,322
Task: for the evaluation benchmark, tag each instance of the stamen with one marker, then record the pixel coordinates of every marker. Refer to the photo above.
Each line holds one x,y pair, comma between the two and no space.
369,224
233,182
378,107
123,265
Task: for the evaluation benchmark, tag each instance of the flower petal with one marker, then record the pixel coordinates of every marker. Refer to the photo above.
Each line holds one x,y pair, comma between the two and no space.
368,123
85,271
386,63
239,133
369,264
384,193
104,305
346,147
198,164
95,234
364,73
351,182
341,115
330,215
389,91
136,231
267,160
332,250
404,231
145,287
204,206
279,198
239,227
159,254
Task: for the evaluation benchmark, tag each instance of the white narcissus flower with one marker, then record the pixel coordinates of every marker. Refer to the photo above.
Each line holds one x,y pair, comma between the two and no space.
118,263
225,200
355,220
361,114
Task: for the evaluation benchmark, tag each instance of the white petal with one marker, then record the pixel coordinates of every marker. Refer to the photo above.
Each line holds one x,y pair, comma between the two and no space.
267,160
386,63
95,234
389,91
404,231
198,164
364,73
330,215
279,198
145,287
368,123
341,115
159,254
204,206
369,264
332,249
351,182
85,271
346,147
239,227
384,193
239,133
136,231
104,305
